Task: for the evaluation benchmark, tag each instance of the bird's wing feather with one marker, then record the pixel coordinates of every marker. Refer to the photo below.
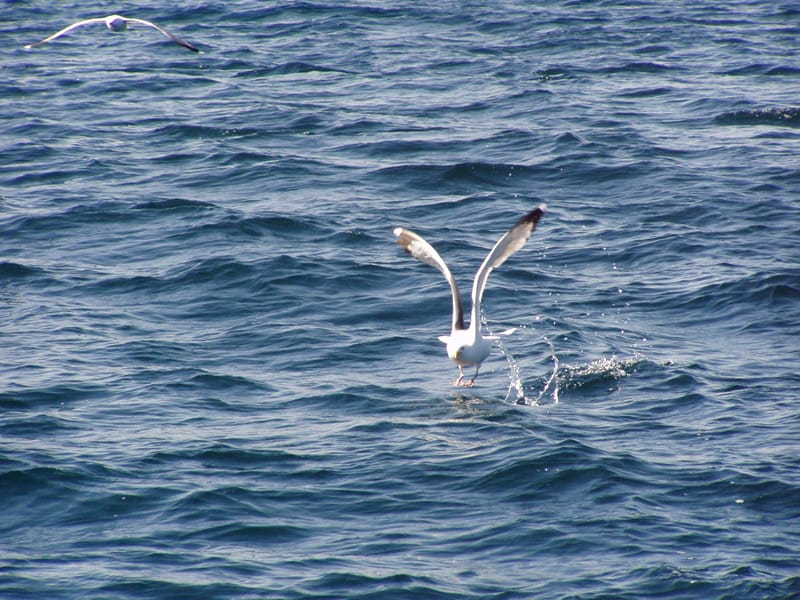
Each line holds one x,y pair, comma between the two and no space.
417,247
513,240
170,35
66,30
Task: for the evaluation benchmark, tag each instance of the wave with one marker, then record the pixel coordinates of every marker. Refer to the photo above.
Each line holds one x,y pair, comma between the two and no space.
289,68
446,176
176,205
190,131
25,398
764,69
10,270
735,296
782,117
641,67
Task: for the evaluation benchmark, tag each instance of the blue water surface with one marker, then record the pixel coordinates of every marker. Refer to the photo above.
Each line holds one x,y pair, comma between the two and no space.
220,377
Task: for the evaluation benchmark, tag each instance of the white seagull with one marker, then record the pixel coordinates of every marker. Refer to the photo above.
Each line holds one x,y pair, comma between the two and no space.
466,346
114,23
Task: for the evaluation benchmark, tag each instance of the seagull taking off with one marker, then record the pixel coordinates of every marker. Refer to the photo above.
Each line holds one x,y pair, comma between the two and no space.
466,346
114,23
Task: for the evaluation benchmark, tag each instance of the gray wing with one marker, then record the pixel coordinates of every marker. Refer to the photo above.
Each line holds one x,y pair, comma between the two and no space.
513,240
417,247
66,30
170,35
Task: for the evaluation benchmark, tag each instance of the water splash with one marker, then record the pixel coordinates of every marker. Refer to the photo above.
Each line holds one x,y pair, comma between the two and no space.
601,370
516,387
560,378
551,386
514,377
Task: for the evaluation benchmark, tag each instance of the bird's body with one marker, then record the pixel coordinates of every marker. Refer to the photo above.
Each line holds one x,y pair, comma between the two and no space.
114,23
465,345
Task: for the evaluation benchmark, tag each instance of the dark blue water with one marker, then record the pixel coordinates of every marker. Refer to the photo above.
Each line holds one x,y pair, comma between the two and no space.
219,375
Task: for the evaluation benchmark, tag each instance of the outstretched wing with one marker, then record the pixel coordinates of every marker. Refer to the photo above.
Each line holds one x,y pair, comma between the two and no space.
170,35
66,30
513,240
417,247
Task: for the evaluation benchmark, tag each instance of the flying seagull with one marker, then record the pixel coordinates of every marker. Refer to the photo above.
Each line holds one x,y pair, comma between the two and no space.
114,23
466,346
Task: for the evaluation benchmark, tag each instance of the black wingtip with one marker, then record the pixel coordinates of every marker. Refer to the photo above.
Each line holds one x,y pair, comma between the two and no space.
533,216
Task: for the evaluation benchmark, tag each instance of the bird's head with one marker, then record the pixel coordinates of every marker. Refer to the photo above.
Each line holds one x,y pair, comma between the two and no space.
116,23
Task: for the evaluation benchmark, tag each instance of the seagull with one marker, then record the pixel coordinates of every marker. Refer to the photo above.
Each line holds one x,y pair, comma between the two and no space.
465,345
114,23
